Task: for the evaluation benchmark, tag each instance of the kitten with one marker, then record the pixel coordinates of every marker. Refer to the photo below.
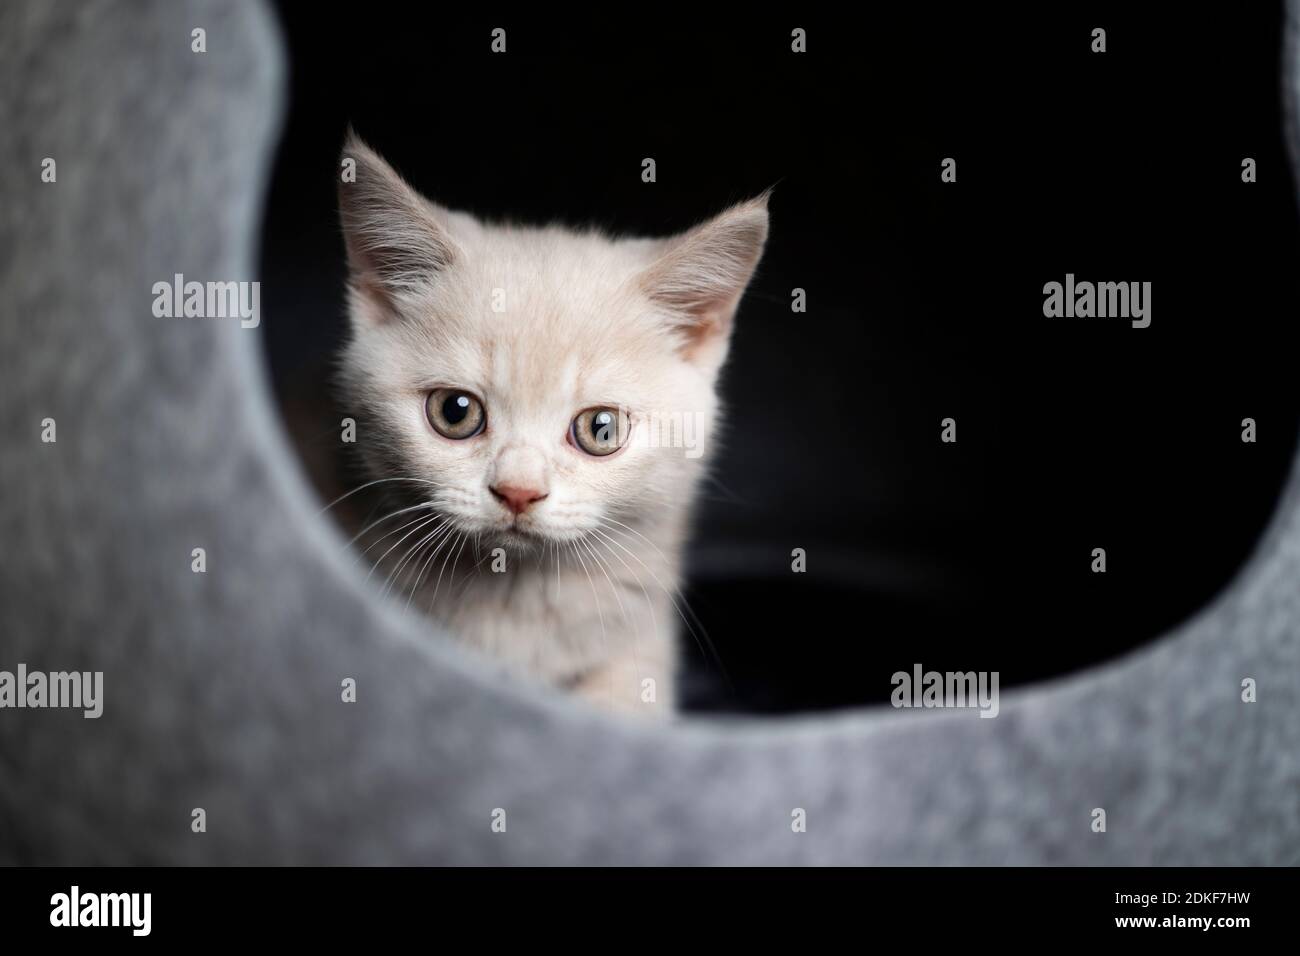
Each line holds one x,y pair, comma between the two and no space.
537,402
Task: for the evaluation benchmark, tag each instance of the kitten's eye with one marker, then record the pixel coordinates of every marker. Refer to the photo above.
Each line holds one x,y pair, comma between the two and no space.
454,413
599,431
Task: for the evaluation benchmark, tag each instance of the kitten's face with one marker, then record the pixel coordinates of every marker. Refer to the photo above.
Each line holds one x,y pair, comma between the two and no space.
544,383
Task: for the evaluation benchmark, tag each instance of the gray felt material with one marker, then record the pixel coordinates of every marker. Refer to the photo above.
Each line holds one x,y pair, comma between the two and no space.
222,689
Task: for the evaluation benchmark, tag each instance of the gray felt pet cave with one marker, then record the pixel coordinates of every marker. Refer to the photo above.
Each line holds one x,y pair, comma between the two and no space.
221,689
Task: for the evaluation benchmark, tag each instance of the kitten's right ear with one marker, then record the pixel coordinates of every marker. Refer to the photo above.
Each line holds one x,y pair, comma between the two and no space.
395,245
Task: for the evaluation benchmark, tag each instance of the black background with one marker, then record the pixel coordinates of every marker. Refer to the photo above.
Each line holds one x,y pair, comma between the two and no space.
924,300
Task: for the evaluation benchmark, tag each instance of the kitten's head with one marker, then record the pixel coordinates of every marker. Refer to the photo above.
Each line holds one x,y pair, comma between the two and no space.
542,382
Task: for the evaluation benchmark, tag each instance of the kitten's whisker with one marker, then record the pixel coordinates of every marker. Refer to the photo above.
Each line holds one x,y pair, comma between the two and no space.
414,578
604,637
595,557
410,552
417,546
411,572
426,568
702,638
456,560
389,534
654,617
636,624
557,570
477,564
371,484
628,530
420,576
631,530
424,522
437,587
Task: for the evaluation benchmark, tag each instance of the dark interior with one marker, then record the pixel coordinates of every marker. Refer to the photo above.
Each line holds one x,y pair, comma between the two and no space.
924,302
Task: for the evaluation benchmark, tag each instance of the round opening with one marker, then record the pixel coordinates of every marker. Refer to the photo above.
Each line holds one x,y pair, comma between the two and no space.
922,465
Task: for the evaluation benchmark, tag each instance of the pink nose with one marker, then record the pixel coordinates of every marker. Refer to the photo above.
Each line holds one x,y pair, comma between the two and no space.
518,500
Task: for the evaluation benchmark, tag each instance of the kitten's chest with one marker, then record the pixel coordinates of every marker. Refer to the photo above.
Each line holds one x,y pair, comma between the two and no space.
557,625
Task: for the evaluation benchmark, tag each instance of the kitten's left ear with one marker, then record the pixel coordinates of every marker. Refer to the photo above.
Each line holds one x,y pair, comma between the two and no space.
700,276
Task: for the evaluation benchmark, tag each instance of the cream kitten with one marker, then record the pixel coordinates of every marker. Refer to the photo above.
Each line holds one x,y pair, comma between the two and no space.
538,402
